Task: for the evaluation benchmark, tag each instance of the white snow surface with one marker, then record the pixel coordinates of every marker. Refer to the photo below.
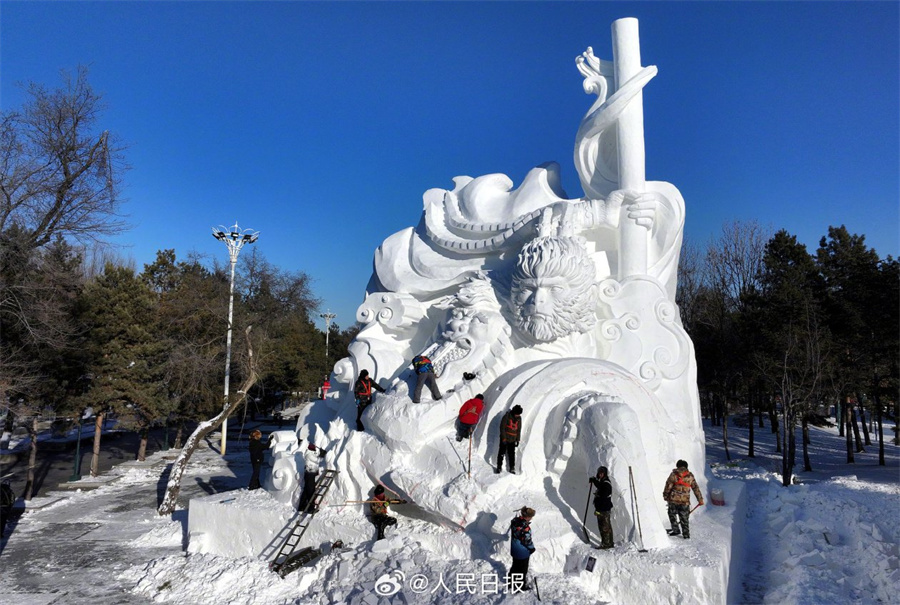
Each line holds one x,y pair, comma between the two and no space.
833,538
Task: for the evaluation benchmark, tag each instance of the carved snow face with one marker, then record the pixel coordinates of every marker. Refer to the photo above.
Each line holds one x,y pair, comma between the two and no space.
553,293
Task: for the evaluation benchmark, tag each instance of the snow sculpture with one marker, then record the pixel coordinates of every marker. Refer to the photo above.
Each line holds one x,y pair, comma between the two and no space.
284,479
565,306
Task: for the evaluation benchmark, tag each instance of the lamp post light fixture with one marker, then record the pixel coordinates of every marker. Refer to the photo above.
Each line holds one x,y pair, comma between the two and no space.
235,238
327,316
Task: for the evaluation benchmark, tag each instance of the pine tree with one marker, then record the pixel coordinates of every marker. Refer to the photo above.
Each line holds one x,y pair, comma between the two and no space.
127,355
795,341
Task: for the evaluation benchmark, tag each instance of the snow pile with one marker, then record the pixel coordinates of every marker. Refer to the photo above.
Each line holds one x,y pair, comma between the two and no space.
831,539
835,544
203,578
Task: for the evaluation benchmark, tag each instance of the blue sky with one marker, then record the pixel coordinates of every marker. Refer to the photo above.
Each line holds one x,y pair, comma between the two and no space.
322,124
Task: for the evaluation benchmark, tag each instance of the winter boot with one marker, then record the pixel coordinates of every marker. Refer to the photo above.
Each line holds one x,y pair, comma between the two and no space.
673,532
497,470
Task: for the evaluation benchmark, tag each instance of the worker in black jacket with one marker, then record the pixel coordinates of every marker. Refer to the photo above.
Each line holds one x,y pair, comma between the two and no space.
603,506
257,455
362,390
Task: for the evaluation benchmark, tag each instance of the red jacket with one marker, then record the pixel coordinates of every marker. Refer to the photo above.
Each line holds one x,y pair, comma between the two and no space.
471,410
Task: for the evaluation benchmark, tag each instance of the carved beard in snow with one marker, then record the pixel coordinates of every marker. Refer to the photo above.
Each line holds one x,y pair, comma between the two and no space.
553,293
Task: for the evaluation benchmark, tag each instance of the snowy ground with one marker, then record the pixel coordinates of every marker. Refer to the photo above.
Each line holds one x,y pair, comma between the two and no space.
832,539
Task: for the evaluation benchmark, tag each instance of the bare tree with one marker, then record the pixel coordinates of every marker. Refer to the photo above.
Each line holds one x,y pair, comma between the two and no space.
59,174
169,501
735,261
733,265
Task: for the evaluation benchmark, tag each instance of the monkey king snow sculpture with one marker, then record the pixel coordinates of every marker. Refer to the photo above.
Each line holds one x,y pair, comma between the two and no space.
565,306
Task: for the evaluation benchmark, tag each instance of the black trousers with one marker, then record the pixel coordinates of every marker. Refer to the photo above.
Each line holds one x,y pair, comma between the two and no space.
518,574
423,379
463,430
509,450
380,522
309,488
360,408
254,478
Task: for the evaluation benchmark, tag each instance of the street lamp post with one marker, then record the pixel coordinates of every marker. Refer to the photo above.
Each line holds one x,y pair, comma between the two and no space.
235,240
327,316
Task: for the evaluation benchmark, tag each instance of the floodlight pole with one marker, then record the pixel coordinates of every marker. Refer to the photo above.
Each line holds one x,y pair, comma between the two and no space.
235,240
327,316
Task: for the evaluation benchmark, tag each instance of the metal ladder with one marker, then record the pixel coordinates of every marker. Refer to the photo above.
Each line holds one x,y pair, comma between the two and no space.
303,522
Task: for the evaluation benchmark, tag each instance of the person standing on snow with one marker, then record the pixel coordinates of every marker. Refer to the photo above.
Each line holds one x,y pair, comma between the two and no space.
257,456
310,472
521,547
379,517
362,390
510,432
469,414
424,375
603,506
678,494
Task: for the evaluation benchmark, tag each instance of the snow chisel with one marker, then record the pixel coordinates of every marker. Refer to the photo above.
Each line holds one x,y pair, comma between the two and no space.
587,536
537,589
470,455
693,509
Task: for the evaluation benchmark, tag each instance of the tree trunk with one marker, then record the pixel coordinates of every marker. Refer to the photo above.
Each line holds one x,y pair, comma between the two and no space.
855,424
725,434
762,410
170,500
750,453
849,436
179,434
142,448
32,458
807,465
776,428
792,448
98,432
880,431
841,415
879,424
865,426
784,449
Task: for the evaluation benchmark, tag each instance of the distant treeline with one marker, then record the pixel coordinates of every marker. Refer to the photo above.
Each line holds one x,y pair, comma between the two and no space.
783,332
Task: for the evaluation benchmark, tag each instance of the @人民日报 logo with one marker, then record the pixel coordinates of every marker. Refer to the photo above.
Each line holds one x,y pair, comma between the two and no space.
389,584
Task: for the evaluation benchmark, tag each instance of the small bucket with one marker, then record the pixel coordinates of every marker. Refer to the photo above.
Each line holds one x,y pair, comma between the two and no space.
717,497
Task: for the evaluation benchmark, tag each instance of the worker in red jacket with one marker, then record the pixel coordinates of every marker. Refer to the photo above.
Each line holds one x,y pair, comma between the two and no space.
469,414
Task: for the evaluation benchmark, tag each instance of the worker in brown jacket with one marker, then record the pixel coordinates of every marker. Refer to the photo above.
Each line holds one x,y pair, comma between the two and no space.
510,433
678,495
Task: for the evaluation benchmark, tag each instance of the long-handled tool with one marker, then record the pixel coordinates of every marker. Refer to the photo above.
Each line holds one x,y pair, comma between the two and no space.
636,511
587,536
693,509
469,473
369,502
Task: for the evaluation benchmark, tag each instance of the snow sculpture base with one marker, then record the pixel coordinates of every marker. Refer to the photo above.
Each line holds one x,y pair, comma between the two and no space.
689,571
237,524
